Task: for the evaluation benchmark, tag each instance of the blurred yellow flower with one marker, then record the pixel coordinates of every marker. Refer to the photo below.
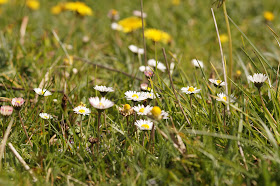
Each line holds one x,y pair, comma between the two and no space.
130,24
33,4
157,35
3,2
176,2
268,15
223,38
57,9
79,7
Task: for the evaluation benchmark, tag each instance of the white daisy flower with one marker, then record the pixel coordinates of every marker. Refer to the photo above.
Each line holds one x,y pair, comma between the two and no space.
103,89
217,82
144,124
42,92
197,63
116,26
137,13
100,104
81,110
224,98
164,115
142,110
145,68
135,96
258,79
190,90
136,50
157,64
151,95
45,116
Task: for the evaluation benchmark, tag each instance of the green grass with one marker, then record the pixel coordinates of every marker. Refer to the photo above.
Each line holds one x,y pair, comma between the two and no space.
213,155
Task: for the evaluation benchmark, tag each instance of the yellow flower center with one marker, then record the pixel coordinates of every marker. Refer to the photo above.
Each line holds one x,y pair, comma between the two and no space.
142,110
18,102
191,89
146,126
82,111
126,107
135,96
101,104
46,117
43,92
156,111
148,88
218,81
224,98
114,12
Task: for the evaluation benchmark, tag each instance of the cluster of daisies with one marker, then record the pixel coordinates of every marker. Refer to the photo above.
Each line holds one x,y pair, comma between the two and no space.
258,79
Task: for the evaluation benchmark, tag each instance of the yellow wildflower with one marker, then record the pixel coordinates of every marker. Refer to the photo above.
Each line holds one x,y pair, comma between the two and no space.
79,7
157,35
33,4
268,16
57,9
130,24
223,38
3,2
156,113
176,2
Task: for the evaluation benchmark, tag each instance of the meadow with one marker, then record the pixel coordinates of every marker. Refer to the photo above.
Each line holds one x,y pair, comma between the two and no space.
92,96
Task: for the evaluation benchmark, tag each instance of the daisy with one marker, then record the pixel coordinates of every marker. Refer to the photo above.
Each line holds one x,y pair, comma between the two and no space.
190,90
197,63
217,82
151,95
17,102
42,92
45,116
103,89
113,15
144,124
144,86
6,110
224,98
100,104
142,110
157,64
81,110
135,96
137,13
136,50
164,115
258,79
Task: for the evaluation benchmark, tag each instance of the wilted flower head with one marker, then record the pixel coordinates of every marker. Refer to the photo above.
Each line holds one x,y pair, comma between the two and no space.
6,110
100,104
224,98
45,116
217,82
42,92
157,64
190,90
157,35
17,102
130,24
136,50
137,13
135,96
113,15
197,63
81,110
269,16
126,110
144,124
258,79
142,110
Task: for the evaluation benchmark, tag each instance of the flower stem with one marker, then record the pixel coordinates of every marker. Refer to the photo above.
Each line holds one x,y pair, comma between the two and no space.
98,131
259,90
24,129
